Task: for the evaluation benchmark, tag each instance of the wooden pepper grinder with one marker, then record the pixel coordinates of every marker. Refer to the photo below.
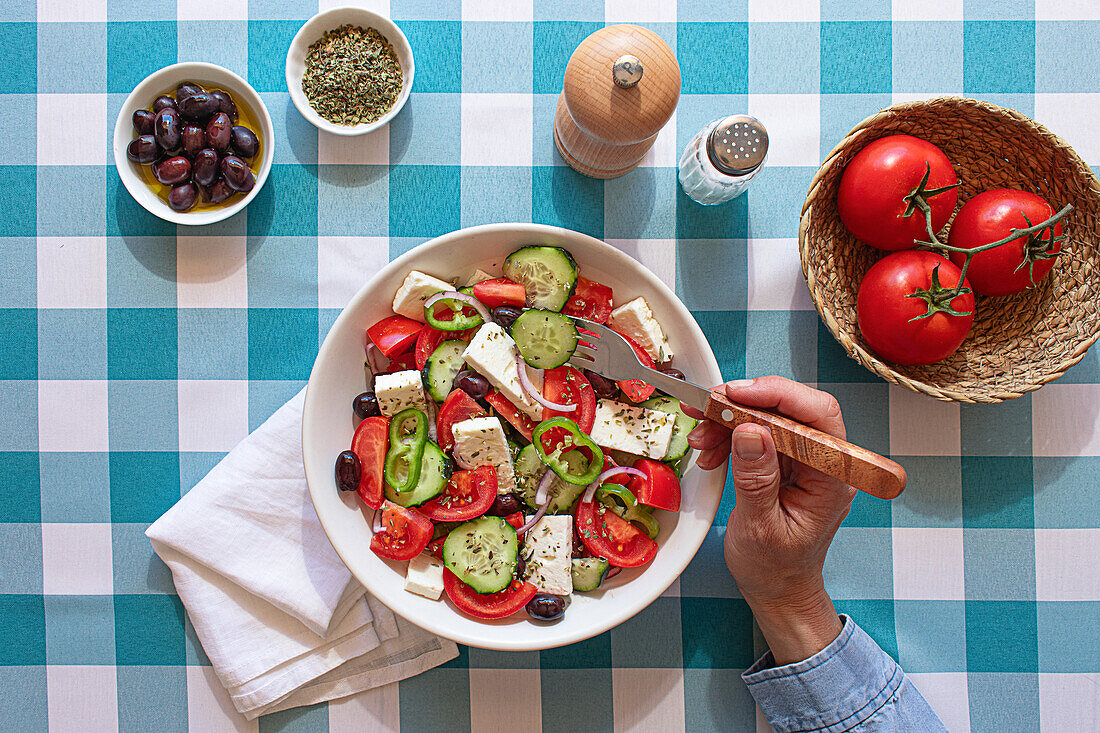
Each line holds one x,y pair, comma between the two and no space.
621,86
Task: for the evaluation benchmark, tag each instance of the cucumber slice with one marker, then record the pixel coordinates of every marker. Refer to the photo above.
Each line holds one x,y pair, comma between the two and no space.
679,465
545,339
442,367
529,471
549,274
678,446
588,572
435,470
482,553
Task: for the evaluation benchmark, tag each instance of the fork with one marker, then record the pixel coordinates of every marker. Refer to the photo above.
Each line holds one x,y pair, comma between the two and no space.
608,354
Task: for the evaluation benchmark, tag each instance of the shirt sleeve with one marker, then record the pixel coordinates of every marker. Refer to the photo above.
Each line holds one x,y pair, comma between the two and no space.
850,685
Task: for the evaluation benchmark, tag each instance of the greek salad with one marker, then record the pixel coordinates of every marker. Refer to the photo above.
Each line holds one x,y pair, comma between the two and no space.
507,477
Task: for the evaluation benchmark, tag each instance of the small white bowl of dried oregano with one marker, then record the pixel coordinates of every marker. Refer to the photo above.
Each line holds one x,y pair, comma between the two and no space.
349,71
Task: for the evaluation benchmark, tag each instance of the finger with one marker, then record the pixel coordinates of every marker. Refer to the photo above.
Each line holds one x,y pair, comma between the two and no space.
755,465
709,460
708,435
692,412
795,400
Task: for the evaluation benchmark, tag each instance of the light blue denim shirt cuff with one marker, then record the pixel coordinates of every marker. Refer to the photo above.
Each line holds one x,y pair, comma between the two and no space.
834,690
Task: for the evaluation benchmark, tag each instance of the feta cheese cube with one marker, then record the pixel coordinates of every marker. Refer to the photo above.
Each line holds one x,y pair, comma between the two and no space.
409,299
632,429
481,441
635,319
548,552
492,352
399,390
425,577
478,276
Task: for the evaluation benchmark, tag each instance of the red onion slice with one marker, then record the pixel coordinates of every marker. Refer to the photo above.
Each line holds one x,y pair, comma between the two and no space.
376,525
612,572
542,498
591,490
462,298
374,359
533,393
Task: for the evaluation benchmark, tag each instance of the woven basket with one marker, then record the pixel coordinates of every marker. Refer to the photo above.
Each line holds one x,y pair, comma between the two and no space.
1018,342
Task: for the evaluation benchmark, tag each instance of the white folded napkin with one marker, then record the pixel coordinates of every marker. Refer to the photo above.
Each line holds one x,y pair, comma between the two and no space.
279,615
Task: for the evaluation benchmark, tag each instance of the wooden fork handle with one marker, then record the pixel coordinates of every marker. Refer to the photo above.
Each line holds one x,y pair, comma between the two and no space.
867,471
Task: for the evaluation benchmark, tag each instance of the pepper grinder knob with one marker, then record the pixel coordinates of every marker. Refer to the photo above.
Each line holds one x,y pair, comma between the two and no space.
627,71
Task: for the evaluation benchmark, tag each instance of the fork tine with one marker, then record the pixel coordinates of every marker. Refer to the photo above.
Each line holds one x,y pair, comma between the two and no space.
587,351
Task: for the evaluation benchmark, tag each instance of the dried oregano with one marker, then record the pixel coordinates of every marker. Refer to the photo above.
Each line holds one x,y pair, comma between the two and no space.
352,75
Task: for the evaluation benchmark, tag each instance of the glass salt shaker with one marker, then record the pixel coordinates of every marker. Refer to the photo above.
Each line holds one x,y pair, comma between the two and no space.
719,162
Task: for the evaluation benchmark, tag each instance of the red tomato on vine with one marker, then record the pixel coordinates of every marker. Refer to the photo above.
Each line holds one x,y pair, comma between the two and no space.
905,309
887,185
1014,266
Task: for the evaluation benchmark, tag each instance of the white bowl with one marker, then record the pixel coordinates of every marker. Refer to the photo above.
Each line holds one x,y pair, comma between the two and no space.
210,76
312,31
327,428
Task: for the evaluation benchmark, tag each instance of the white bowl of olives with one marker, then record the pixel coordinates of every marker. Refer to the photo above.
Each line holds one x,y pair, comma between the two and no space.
193,143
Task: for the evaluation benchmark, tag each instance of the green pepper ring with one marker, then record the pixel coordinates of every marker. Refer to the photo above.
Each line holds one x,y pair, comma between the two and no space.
460,322
555,463
400,449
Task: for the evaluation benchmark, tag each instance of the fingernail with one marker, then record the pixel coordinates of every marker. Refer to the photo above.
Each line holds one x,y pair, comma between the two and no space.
749,446
739,383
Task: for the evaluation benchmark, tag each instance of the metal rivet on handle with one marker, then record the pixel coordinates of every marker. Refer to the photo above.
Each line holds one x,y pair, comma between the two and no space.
727,415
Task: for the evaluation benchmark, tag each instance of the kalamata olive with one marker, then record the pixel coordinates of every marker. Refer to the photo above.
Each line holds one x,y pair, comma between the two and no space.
504,505
142,149
193,139
204,167
198,107
166,129
237,174
172,171
143,121
219,132
506,315
163,102
219,192
365,405
601,385
521,566
245,141
472,384
225,103
546,607
348,471
674,373
183,196
186,89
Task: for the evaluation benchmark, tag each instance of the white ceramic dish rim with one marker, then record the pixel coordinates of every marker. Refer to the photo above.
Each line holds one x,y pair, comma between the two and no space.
141,97
316,27
447,621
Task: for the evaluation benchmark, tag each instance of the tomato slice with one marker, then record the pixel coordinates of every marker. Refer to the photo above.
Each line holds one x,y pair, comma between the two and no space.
435,547
566,385
394,335
468,495
400,363
429,338
591,300
457,407
370,442
405,533
487,605
515,519
660,488
511,413
500,291
636,389
605,534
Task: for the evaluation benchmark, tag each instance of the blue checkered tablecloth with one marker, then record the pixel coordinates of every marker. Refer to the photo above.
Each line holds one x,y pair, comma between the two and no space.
134,354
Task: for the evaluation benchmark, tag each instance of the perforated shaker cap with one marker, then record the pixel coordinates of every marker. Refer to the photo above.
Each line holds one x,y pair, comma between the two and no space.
737,145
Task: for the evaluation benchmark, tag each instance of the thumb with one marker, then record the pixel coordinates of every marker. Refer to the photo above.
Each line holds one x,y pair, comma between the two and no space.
755,469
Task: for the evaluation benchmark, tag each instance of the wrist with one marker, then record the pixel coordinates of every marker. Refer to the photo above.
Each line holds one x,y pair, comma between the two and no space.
796,626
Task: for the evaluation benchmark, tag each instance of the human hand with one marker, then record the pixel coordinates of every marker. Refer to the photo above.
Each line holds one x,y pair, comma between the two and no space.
785,517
